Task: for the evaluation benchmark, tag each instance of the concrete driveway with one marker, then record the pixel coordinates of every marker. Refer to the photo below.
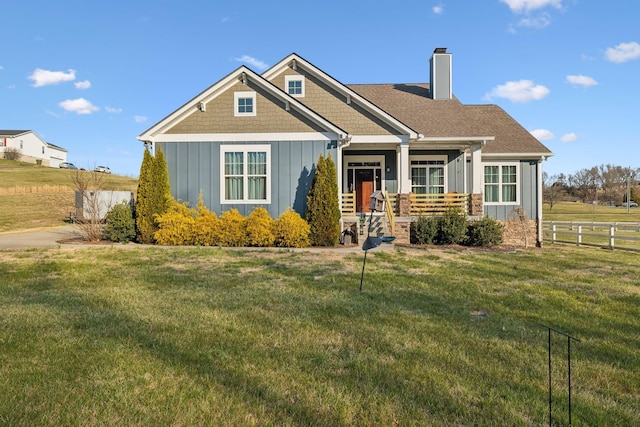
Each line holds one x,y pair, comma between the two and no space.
47,238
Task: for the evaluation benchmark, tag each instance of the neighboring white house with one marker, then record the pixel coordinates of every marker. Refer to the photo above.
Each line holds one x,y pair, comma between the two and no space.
32,148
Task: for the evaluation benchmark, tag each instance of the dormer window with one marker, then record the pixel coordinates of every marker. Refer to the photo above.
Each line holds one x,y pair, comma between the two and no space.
294,85
245,104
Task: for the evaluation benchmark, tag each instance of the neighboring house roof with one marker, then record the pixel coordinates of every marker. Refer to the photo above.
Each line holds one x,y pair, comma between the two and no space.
13,132
450,118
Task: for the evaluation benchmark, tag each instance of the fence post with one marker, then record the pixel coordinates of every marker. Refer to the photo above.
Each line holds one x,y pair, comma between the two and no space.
612,232
553,233
579,235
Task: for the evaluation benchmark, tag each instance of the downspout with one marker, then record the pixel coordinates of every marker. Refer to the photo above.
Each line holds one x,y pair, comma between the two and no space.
539,202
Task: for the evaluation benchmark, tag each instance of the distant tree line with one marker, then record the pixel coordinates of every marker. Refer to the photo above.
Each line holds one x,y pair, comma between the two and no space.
604,184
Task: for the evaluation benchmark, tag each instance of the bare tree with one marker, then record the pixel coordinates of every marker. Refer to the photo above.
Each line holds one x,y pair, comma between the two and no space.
12,153
88,185
584,183
612,182
553,189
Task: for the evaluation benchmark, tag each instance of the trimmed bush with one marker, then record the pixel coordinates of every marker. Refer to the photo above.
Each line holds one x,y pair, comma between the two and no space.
260,227
484,232
175,227
153,195
233,229
207,225
120,226
291,231
426,229
453,227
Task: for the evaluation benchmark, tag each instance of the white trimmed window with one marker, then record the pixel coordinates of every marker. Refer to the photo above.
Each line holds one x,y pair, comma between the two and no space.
427,175
501,184
245,174
245,104
294,85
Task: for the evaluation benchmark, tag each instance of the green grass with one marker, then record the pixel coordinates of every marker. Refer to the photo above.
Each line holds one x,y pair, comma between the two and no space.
570,211
27,210
126,335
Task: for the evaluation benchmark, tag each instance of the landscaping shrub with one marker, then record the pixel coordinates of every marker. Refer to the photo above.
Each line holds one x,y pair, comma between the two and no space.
426,229
153,195
291,230
207,226
260,227
12,153
323,207
120,226
484,232
453,227
233,229
175,227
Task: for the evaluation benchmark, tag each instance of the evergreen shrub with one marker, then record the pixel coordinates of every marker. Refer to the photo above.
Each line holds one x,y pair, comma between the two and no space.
291,230
120,226
426,229
323,207
233,229
453,227
207,226
176,225
260,227
484,232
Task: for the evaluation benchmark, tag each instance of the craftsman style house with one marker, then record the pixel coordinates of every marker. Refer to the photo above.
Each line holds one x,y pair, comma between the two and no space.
253,140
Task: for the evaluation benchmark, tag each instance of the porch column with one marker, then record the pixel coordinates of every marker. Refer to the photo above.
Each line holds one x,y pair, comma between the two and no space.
476,169
404,178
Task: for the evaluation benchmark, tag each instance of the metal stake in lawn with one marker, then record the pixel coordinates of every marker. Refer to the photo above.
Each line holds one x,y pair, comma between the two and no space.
369,243
569,338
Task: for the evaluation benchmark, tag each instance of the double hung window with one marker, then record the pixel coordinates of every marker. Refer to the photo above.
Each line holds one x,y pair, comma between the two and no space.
427,176
501,184
245,174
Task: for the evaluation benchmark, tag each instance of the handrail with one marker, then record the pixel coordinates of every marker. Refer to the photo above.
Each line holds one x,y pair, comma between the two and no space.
390,216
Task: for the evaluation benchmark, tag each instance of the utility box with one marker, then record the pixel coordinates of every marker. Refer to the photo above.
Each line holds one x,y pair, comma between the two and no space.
377,201
94,205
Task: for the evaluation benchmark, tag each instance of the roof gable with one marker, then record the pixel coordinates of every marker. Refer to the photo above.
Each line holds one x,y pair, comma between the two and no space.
358,103
245,76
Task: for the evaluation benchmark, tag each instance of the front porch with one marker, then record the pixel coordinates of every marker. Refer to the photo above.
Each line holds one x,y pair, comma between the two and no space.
401,210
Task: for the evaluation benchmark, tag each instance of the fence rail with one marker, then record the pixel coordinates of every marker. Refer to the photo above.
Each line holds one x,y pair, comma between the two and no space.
610,235
421,204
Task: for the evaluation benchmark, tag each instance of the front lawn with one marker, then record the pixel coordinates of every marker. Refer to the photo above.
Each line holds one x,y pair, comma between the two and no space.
126,335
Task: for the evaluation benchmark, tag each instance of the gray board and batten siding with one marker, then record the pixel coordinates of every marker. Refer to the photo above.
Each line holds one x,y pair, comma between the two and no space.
528,180
194,167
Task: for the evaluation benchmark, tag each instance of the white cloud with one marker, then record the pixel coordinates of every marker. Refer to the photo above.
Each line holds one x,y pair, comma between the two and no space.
520,6
438,10
520,91
112,110
542,134
78,106
85,84
570,137
541,21
139,119
42,77
252,61
623,52
581,80
125,152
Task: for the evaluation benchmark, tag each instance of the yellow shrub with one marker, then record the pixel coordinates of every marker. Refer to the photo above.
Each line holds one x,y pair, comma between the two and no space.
175,227
233,229
206,230
291,230
260,228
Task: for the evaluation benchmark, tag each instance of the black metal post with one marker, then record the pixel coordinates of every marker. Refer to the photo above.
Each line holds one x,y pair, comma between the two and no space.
362,275
569,373
550,400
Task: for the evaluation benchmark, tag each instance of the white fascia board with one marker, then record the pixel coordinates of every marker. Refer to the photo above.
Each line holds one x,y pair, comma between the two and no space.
377,111
462,139
245,137
366,139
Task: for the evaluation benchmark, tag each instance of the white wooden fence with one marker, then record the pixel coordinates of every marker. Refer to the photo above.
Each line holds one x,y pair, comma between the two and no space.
610,235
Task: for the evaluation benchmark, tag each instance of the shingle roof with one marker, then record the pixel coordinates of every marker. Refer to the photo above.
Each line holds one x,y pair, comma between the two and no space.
410,103
12,132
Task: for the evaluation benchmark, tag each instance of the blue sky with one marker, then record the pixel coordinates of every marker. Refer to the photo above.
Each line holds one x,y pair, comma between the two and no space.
91,76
